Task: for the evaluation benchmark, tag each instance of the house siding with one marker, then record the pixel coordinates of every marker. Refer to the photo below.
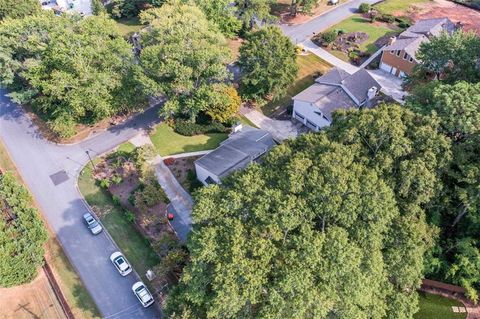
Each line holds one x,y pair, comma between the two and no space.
203,174
307,110
400,64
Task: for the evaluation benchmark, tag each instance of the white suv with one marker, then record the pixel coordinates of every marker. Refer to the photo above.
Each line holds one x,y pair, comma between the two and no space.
142,293
120,263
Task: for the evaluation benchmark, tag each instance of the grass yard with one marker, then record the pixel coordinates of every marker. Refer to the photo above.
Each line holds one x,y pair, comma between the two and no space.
358,23
136,248
397,6
77,296
435,307
309,66
167,142
127,27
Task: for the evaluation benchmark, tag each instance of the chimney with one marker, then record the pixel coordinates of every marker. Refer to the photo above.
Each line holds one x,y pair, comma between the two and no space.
371,93
392,40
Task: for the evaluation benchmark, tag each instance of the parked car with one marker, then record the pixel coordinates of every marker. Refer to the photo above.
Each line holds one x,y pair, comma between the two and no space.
120,263
92,224
142,293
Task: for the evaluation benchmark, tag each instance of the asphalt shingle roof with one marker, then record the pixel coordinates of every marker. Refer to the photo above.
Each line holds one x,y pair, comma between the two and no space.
237,151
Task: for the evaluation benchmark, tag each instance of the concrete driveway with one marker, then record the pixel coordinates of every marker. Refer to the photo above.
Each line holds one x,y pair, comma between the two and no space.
50,172
280,130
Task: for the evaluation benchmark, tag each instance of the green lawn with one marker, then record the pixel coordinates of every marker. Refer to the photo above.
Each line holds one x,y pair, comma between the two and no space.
436,307
129,26
126,147
309,66
396,6
357,23
167,142
136,248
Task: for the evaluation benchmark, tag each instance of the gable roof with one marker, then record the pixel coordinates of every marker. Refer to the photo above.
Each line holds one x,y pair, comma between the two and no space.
411,39
338,90
237,151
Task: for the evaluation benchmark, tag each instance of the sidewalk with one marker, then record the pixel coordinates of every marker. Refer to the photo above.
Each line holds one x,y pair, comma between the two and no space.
181,202
330,58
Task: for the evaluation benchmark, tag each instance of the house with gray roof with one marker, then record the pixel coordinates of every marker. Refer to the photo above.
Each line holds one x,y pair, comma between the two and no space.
399,56
244,146
332,91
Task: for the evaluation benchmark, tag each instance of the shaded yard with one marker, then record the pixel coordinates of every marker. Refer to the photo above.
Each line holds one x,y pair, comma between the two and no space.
435,307
129,26
375,31
167,142
310,67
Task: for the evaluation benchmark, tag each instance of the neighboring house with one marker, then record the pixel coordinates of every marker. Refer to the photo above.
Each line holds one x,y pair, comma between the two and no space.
399,56
83,7
244,145
334,90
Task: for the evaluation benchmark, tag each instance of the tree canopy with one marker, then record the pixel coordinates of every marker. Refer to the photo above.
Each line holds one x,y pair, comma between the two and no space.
268,62
317,230
182,53
254,11
71,69
223,14
22,234
451,57
18,9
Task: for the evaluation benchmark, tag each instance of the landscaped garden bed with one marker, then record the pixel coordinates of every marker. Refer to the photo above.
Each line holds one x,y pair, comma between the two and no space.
184,171
123,191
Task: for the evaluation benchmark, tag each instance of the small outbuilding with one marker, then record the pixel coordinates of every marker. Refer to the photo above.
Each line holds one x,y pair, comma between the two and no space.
245,145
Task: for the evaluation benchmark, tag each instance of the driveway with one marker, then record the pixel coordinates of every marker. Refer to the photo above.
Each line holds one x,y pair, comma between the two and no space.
50,172
280,130
391,85
181,202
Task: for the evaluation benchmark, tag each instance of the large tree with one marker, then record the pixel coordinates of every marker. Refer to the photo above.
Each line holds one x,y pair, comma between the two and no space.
71,70
317,229
306,6
22,234
253,12
451,57
268,63
223,13
182,53
18,9
457,105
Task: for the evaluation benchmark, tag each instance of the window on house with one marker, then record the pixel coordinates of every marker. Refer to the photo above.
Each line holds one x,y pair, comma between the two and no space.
411,60
299,116
405,56
326,119
311,125
398,52
392,52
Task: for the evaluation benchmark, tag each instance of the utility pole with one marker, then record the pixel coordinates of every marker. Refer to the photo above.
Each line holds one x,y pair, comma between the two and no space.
90,159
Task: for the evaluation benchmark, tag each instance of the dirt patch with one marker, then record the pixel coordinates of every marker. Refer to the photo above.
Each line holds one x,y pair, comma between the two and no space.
33,300
282,10
469,18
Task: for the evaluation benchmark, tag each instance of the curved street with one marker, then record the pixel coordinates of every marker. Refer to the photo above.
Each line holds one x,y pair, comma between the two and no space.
62,205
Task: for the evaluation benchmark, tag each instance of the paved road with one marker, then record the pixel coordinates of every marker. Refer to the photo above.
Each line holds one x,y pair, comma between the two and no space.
62,205
301,32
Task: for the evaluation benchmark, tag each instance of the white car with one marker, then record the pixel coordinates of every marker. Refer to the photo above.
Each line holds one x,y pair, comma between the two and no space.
92,224
142,293
121,263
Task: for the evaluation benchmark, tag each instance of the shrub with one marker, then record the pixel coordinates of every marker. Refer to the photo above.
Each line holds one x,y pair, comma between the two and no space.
131,199
387,18
186,128
129,216
364,8
329,36
116,179
404,22
105,183
116,200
